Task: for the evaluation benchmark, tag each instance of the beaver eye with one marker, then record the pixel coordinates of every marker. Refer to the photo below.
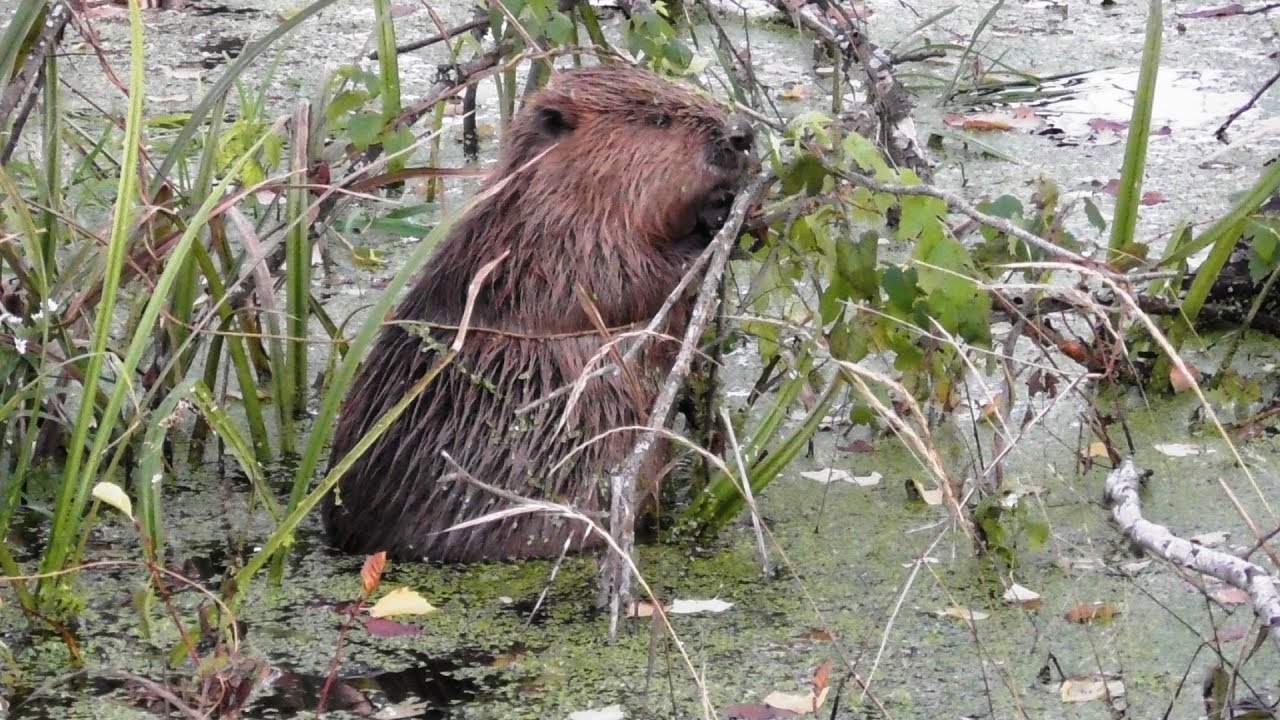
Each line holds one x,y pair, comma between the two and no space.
659,120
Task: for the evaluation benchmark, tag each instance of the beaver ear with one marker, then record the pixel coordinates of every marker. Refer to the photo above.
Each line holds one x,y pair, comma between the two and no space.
554,120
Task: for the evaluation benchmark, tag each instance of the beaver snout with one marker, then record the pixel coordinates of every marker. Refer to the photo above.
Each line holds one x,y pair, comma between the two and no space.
734,153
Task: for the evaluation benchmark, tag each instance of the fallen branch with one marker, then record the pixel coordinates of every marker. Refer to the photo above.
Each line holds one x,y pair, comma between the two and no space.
1126,508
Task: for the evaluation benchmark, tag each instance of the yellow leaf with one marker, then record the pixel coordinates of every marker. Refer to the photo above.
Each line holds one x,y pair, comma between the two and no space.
402,601
798,704
111,494
960,613
795,91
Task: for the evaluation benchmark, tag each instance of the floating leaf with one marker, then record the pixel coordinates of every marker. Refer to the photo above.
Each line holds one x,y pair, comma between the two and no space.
1080,690
1182,449
757,711
613,712
1231,596
929,496
1210,539
960,613
638,609
1088,612
383,627
1020,118
402,601
826,476
111,494
690,607
1182,378
1019,595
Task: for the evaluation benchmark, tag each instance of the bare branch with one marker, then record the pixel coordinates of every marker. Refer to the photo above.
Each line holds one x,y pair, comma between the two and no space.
1126,508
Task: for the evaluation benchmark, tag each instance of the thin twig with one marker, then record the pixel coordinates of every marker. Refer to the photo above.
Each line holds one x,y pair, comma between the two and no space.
615,580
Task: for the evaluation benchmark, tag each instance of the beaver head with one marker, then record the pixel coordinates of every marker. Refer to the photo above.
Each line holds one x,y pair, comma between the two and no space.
637,151
609,179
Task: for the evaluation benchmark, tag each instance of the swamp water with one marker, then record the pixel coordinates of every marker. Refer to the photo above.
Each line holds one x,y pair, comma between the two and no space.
853,587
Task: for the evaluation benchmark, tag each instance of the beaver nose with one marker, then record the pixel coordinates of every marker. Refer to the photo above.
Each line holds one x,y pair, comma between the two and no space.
740,134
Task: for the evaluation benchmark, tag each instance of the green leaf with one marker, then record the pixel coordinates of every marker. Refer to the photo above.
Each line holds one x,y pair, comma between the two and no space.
559,29
364,128
856,265
806,173
901,287
1094,215
919,212
344,103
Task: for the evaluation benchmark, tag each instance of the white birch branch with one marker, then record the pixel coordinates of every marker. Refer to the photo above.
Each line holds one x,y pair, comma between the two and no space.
1126,508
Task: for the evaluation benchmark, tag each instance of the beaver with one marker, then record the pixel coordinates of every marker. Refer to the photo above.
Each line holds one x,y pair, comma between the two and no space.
610,181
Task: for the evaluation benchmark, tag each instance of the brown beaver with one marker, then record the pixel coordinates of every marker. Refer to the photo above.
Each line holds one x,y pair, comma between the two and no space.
637,176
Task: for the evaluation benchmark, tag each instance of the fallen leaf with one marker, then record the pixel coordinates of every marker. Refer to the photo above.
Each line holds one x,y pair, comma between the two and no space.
613,712
1210,539
794,91
798,704
1019,118
639,609
1182,378
402,601
1080,690
1181,449
690,607
1097,449
1019,595
1088,612
757,711
991,408
930,497
383,627
1231,596
1105,124
827,476
113,495
868,480
960,613
1135,567
820,677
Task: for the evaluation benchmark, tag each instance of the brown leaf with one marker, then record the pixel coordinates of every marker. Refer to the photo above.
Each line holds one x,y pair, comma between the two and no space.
1231,596
1105,124
390,628
1182,380
1087,612
1019,118
820,677
371,573
857,446
758,711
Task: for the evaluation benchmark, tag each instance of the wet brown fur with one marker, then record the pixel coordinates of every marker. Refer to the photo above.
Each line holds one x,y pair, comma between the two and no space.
637,174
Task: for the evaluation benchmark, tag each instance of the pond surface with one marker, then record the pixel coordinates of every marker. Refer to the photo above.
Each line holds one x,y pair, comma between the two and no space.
863,573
